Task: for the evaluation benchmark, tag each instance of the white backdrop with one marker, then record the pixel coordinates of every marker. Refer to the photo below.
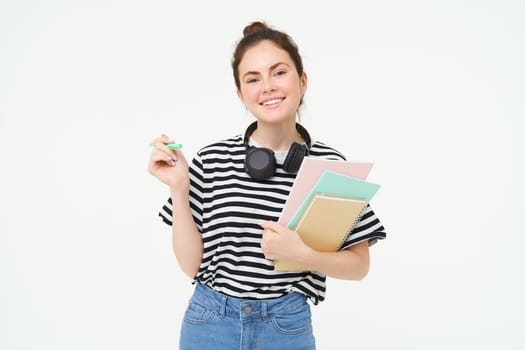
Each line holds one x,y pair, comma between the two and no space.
431,91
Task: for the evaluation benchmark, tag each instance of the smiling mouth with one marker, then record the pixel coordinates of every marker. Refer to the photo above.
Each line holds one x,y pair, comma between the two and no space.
272,102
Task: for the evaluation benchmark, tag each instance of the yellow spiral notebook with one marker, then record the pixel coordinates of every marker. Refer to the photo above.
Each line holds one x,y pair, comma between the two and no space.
325,225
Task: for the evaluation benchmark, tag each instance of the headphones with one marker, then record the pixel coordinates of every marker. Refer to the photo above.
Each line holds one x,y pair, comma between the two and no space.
260,162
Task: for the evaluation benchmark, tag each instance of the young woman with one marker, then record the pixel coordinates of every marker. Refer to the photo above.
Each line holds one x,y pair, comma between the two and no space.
224,207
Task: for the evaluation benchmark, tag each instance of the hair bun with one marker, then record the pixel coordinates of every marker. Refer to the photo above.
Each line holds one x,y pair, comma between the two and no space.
254,27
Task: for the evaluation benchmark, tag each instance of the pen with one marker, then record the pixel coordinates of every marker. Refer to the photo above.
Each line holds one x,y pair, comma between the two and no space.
172,146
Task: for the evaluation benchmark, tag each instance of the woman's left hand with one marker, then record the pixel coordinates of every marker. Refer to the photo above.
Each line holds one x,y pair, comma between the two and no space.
280,243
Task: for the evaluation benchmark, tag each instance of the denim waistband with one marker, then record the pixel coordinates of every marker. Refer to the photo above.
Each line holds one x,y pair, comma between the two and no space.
246,308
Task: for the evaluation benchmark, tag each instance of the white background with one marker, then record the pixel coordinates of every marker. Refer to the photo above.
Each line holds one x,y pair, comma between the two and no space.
431,91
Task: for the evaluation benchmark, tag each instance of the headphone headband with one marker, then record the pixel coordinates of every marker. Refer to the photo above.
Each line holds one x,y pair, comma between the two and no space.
300,129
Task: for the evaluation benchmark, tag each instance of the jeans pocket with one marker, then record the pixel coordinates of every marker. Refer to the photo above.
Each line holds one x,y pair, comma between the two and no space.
296,321
198,314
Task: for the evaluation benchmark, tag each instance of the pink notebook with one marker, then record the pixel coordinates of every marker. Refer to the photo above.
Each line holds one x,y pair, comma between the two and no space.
310,171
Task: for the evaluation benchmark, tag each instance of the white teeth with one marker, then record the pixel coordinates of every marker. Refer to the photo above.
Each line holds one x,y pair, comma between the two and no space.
272,102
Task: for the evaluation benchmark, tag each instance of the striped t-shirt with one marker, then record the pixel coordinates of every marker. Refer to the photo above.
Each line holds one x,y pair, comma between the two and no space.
228,207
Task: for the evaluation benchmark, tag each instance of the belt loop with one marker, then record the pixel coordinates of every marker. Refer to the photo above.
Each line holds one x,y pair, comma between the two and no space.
264,310
222,310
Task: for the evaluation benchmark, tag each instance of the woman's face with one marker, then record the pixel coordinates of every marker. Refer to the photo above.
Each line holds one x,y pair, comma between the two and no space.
270,86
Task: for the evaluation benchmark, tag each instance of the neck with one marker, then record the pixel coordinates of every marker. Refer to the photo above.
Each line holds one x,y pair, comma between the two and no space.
277,137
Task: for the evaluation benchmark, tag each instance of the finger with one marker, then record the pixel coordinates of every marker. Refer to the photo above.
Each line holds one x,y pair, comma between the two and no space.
162,154
159,146
272,225
179,156
163,139
161,157
266,236
159,161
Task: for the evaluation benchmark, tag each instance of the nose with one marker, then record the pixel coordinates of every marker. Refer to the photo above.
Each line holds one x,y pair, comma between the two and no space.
268,86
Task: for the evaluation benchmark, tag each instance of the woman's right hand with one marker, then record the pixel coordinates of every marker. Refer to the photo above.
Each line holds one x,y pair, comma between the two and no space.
169,166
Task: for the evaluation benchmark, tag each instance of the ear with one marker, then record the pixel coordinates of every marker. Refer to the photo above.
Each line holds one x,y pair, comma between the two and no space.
303,82
239,95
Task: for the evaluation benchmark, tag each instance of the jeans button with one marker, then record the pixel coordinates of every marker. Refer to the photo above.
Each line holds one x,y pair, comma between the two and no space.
247,309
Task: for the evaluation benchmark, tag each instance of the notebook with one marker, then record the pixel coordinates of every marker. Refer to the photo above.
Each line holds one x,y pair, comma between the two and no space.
325,225
310,171
336,184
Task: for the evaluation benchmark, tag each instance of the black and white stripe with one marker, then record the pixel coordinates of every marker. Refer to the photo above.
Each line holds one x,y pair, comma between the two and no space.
228,207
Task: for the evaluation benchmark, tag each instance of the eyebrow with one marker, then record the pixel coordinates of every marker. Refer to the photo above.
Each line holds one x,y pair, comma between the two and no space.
271,68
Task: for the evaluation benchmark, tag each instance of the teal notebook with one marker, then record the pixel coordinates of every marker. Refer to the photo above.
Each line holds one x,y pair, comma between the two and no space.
336,184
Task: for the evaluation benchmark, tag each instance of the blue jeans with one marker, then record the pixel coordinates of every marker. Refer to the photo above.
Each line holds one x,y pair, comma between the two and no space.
216,321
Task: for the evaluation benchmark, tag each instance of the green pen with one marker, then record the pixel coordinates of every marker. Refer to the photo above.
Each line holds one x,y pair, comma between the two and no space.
172,146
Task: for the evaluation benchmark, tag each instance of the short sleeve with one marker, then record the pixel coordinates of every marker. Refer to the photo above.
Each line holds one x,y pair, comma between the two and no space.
368,228
196,195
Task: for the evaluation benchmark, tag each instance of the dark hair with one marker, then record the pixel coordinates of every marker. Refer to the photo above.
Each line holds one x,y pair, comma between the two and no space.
256,32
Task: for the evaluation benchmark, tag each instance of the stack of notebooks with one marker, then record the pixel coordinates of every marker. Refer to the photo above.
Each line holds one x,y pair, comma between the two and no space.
325,203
